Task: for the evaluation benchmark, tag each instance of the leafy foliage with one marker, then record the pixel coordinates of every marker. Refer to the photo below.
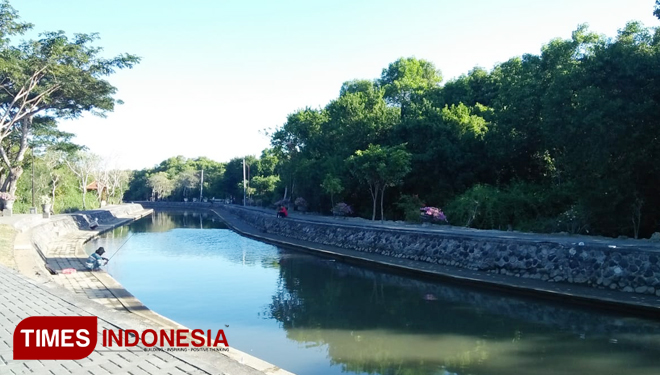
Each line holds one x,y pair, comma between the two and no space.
52,77
560,141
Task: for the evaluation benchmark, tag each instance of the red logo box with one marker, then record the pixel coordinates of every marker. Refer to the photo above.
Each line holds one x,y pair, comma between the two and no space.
55,337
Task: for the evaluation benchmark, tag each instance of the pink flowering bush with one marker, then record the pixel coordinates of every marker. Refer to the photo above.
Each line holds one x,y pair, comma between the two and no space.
6,196
432,214
300,202
342,209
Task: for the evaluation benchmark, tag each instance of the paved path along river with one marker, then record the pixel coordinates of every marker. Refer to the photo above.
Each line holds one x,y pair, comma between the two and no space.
33,292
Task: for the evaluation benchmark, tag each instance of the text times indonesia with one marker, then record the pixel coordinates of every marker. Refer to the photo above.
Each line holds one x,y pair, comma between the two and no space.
75,337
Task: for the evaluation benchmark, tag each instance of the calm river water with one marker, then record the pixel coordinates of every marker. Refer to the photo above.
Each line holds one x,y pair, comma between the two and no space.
312,315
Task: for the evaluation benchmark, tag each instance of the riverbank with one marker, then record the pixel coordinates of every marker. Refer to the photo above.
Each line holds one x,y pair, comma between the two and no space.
633,303
45,246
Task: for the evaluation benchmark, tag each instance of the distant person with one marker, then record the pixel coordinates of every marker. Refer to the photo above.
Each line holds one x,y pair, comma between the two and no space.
94,261
282,212
94,224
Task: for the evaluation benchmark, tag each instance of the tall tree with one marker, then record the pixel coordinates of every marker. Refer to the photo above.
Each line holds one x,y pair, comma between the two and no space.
380,167
161,185
407,77
83,165
52,76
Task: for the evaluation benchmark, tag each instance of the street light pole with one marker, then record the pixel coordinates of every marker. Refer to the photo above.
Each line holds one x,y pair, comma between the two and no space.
32,149
201,186
243,181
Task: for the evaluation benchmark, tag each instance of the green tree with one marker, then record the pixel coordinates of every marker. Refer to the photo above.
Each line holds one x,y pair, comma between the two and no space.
406,78
52,76
264,186
83,165
161,185
380,167
186,181
332,185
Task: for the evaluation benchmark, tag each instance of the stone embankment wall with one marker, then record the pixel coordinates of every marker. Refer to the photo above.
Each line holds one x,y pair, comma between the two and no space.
43,234
596,265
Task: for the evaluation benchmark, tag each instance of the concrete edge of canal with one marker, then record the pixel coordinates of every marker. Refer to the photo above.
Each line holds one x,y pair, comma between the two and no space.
33,258
630,303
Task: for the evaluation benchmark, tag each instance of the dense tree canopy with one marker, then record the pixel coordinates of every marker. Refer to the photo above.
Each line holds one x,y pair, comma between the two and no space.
561,141
566,140
53,77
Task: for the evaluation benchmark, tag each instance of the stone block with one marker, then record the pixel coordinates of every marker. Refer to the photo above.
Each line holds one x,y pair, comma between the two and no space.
655,237
641,289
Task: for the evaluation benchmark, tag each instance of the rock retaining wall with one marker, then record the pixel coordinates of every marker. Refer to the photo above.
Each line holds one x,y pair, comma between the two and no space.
628,270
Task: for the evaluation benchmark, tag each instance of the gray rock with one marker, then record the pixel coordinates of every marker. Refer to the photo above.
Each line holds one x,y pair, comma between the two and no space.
641,289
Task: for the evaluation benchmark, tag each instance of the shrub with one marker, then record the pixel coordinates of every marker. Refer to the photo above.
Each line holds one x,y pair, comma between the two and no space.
6,196
409,205
282,202
342,209
300,202
521,205
433,214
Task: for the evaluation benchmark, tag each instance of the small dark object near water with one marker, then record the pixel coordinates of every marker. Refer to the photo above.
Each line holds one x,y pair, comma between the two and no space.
94,224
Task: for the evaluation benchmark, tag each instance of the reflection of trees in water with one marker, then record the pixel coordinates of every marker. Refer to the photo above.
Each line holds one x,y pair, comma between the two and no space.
369,326
163,221
384,324
566,318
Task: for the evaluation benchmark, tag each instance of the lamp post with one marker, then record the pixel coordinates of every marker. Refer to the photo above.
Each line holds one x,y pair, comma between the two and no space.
32,149
243,181
33,209
201,186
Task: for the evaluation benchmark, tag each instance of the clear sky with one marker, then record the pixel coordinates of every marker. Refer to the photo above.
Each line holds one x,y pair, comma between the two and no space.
215,74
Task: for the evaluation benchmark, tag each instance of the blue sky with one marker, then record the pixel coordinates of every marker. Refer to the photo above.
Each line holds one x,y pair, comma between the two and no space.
216,73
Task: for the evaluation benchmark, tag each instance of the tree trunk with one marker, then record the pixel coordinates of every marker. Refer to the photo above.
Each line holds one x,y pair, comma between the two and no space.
382,212
9,185
637,216
373,189
52,193
332,201
15,167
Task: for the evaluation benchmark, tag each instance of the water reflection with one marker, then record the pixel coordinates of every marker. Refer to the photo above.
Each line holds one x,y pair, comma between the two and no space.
373,322
313,315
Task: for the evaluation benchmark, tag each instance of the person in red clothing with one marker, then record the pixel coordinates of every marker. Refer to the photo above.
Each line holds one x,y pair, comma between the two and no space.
282,212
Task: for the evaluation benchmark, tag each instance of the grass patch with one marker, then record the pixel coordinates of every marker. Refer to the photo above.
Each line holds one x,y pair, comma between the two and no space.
7,236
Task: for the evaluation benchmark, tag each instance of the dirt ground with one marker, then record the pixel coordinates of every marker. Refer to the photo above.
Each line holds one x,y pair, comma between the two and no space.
7,235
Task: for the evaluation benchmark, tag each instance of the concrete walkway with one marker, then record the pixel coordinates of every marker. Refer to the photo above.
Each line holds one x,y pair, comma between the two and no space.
21,298
638,304
33,291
